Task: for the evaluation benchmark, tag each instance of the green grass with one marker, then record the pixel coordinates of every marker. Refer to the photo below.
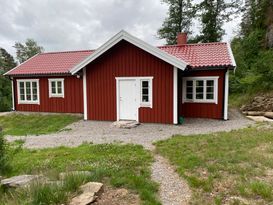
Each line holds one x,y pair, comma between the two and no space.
34,124
221,166
118,165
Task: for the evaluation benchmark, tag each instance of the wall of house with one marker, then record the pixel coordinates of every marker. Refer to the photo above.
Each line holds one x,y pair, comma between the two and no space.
124,60
71,103
202,110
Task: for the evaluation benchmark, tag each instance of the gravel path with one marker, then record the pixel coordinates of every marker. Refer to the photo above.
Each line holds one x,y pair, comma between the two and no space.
173,189
99,132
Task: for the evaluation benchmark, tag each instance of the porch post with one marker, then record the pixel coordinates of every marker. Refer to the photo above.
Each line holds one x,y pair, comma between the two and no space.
226,95
175,98
84,95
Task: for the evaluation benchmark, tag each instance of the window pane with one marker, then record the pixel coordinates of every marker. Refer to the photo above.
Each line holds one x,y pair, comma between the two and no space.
189,96
189,89
209,96
199,83
210,89
210,83
22,97
35,97
145,84
28,91
199,96
145,98
53,87
189,83
145,91
59,85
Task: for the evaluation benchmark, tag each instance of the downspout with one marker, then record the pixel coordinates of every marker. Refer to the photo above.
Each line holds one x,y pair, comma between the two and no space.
226,95
175,98
12,92
85,116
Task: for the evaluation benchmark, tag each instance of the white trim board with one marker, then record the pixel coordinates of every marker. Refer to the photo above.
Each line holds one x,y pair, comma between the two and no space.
175,95
226,95
85,116
123,35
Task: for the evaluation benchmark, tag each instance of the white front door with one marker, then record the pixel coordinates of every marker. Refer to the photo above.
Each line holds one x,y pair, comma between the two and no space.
127,99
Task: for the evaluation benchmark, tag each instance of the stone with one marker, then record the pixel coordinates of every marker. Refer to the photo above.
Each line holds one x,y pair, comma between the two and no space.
63,175
90,192
269,115
92,187
260,119
127,124
22,180
83,199
255,113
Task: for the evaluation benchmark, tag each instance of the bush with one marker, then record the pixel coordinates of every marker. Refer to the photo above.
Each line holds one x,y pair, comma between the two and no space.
4,164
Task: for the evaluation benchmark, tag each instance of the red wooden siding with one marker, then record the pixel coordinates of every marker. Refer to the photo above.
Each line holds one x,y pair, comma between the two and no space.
125,60
71,103
203,110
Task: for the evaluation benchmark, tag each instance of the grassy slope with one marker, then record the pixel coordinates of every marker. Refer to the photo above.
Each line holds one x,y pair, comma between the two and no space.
225,165
34,124
119,165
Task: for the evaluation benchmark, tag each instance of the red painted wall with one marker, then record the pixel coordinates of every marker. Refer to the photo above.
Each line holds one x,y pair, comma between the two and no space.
123,60
203,110
71,103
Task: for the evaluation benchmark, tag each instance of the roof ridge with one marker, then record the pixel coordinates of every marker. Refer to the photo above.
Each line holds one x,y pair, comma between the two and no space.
71,51
192,44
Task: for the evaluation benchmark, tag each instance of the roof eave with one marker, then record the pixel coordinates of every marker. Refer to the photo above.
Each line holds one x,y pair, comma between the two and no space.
123,35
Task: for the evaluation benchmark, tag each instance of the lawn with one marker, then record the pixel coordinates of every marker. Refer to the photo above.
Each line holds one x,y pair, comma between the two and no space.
34,124
117,165
225,168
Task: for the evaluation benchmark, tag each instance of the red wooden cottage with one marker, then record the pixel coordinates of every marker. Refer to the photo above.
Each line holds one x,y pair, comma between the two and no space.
128,79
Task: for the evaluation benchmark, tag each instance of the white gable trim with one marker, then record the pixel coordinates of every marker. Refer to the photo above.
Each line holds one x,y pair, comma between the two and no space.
231,55
123,35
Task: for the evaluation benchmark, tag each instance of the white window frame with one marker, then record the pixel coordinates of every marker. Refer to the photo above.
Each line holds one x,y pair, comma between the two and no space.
150,94
56,80
31,93
194,100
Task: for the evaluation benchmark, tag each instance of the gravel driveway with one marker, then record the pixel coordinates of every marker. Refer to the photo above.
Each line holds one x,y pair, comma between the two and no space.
145,134
173,189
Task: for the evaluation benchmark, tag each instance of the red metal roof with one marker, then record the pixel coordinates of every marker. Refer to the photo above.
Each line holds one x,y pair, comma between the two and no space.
202,54
195,55
51,63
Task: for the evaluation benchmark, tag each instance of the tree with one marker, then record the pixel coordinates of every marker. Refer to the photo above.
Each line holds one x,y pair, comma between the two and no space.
213,14
24,52
180,15
6,63
6,60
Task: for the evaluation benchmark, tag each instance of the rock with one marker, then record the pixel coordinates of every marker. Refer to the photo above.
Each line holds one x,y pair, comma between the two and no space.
92,187
90,192
63,175
259,119
125,124
269,115
255,113
22,180
83,199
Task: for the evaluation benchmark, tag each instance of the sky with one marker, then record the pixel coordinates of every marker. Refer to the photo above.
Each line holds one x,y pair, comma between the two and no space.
60,25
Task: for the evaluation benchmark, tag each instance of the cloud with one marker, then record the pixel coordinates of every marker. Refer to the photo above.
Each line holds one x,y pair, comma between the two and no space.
78,24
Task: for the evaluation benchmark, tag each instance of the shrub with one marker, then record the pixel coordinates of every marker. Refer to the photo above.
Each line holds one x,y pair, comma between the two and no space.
4,161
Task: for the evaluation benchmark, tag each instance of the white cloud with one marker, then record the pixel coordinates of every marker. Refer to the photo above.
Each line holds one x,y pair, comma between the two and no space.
79,24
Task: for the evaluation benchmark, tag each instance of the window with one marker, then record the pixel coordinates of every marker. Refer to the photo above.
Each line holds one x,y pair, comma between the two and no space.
56,87
146,91
28,91
200,89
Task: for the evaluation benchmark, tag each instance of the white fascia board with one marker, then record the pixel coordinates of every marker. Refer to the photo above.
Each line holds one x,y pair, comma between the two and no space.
123,35
231,56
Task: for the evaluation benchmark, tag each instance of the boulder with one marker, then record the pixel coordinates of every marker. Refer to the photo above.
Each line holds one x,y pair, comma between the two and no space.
125,124
90,192
63,175
22,180
269,115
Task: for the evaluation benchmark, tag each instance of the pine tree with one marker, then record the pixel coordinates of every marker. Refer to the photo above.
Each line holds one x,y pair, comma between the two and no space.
6,60
213,15
27,50
180,15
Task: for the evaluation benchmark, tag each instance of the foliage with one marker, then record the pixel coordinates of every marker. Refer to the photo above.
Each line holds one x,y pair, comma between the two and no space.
4,163
213,15
27,50
226,164
34,124
253,57
180,16
6,63
131,169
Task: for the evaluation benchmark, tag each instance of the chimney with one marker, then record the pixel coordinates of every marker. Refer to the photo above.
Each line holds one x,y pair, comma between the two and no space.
181,38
